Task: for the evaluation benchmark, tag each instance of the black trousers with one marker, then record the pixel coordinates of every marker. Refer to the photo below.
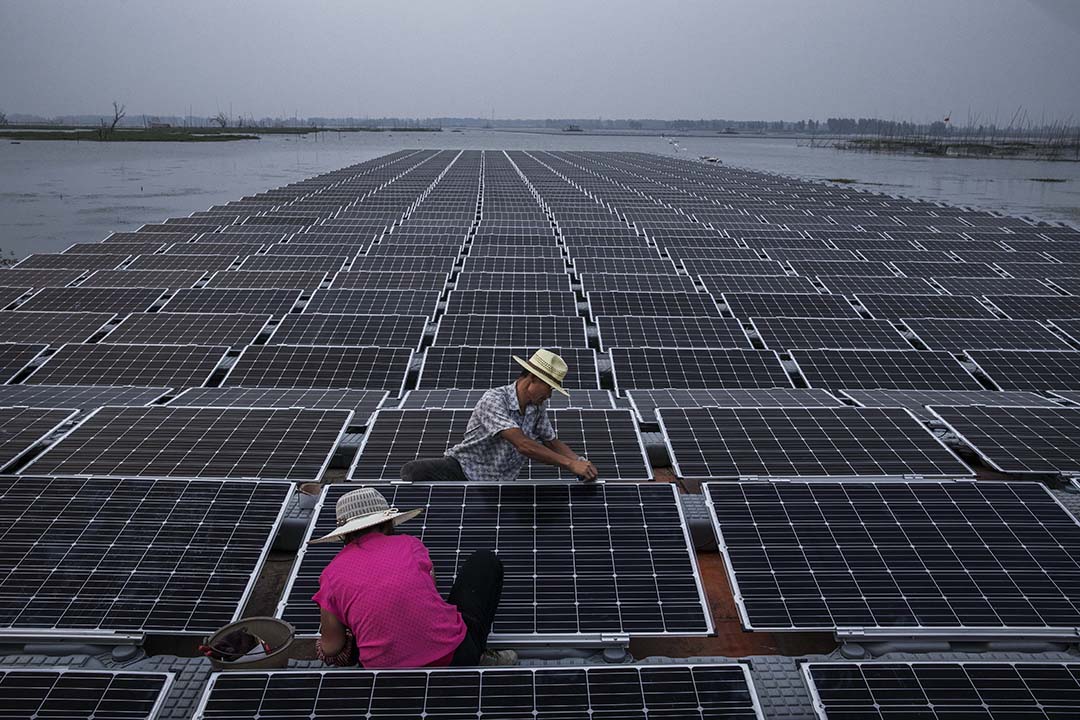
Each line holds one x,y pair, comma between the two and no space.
442,469
476,594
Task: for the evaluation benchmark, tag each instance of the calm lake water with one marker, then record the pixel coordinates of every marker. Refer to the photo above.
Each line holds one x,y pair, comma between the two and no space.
53,194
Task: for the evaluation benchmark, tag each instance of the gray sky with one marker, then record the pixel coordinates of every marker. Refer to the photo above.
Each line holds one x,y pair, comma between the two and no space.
765,59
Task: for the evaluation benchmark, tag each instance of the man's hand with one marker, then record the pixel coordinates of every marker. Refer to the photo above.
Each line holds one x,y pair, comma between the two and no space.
584,470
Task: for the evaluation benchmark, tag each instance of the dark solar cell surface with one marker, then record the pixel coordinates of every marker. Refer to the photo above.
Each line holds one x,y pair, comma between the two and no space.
168,328
969,334
844,285
149,555
688,368
306,366
884,557
101,300
16,356
488,367
854,268
374,302
182,262
719,284
79,261
457,399
192,442
945,269
645,402
362,402
54,328
702,266
414,264
944,690
517,330
518,265
995,286
624,546
1042,270
511,302
79,397
695,692
310,263
854,333
175,366
748,305
917,400
82,694
368,280
37,278
1037,308
375,330
893,369
638,304
682,332
279,279
1031,369
532,282
803,442
609,438
233,300
21,428
172,279
894,307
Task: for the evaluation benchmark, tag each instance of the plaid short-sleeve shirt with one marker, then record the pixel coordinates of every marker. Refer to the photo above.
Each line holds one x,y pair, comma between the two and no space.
483,454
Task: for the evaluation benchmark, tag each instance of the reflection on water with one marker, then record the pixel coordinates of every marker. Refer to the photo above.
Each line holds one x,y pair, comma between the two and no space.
53,194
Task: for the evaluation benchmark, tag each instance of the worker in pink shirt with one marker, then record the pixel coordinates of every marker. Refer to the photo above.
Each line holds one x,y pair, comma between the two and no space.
379,604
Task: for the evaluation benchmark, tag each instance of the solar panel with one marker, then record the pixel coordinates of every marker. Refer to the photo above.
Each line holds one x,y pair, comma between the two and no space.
1037,308
598,282
782,333
363,403
90,558
704,266
79,397
553,266
996,286
688,368
645,402
874,369
171,279
214,248
22,428
748,305
83,694
1018,439
195,442
488,367
16,356
638,304
609,438
550,250
849,285
458,399
720,284
169,328
389,281
803,442
175,366
307,366
85,299
182,262
79,261
386,263
38,278
917,401
623,546
943,690
853,268
53,328
697,691
513,281
233,300
375,330
659,331
889,558
515,330
374,302
1041,270
310,263
128,248
511,302
1035,370
308,249
894,307
945,269
969,334
619,265
279,279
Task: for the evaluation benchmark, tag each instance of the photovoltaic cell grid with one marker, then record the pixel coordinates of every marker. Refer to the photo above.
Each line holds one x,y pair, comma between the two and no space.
533,282
889,558
21,428
945,690
624,547
609,438
276,279
83,557
194,442
639,304
233,300
689,692
175,366
374,302
488,367
1019,439
894,307
516,330
405,331
363,403
645,402
969,334
457,399
173,279
78,397
87,299
53,328
367,280
1035,370
850,285
182,262
167,328
891,369
16,356
803,442
82,694
748,305
599,282
717,285
918,401
696,331
326,367
511,302
1038,308
782,333
686,368
9,295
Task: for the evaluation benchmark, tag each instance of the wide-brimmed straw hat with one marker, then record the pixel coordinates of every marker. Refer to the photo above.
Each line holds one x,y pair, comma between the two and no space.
361,509
547,366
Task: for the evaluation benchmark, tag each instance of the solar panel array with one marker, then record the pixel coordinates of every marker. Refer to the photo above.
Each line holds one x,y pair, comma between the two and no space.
83,694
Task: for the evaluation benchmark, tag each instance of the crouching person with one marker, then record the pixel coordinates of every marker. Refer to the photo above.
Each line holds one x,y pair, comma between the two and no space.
379,604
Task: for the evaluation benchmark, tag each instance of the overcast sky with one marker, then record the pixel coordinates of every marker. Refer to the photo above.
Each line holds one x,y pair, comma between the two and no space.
753,59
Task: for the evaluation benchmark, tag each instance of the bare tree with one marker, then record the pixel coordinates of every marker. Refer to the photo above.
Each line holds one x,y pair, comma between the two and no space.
222,119
3,118
118,115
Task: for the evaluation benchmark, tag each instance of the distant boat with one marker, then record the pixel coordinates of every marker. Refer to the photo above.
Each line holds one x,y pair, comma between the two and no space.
572,128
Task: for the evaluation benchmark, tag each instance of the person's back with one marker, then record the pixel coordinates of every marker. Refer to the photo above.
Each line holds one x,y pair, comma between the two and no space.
376,581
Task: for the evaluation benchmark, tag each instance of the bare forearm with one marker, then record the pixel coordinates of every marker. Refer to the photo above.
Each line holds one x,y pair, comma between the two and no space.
562,448
541,453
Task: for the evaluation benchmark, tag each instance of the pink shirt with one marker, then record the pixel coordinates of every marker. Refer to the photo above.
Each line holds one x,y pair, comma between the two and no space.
380,587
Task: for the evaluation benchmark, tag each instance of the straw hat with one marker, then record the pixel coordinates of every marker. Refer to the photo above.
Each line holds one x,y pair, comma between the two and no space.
547,366
361,509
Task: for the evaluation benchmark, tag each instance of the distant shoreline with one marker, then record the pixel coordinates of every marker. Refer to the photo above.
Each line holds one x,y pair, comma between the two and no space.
97,134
